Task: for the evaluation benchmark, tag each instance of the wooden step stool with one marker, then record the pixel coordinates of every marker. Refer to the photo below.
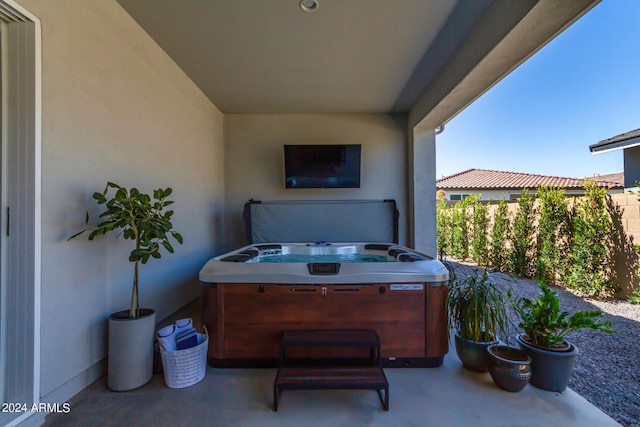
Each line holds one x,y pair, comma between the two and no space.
333,377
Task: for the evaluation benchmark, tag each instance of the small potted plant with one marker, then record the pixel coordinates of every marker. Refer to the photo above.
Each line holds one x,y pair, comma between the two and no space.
477,315
148,224
545,328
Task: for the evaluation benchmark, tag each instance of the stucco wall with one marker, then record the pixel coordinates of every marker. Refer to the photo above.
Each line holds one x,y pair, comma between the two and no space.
255,161
630,217
115,107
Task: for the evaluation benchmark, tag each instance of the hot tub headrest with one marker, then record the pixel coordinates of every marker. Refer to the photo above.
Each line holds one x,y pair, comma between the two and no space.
251,253
395,252
377,247
407,257
236,258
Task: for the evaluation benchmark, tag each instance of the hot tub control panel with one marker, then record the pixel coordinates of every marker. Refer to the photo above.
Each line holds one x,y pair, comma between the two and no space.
323,268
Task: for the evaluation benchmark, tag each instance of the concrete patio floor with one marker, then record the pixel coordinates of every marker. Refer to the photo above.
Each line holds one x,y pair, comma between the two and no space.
445,396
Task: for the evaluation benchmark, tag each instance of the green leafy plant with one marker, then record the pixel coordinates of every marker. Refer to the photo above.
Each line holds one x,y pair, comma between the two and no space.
477,307
553,234
461,221
634,298
524,231
443,227
590,268
547,326
139,218
500,237
479,237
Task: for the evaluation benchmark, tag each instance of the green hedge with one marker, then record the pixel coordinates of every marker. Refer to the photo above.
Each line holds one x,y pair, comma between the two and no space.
547,240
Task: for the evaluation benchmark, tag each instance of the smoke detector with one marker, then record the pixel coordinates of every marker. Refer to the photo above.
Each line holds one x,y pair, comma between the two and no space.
309,5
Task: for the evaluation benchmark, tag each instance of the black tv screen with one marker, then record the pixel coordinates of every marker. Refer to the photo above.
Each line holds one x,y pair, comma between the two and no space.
322,166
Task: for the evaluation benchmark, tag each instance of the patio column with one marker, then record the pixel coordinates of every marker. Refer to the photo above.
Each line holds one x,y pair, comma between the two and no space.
422,190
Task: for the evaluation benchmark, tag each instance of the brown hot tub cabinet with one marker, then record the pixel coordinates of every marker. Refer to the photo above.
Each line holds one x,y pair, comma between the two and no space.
245,320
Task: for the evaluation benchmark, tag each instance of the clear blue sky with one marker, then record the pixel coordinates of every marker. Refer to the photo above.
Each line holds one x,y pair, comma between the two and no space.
581,88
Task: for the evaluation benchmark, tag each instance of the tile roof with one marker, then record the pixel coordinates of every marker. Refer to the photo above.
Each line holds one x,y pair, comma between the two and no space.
616,177
616,142
483,179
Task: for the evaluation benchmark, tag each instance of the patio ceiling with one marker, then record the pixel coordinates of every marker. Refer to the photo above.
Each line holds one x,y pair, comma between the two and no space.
350,56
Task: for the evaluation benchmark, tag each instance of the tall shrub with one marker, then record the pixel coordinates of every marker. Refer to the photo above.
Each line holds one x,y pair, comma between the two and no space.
461,221
499,256
553,234
479,237
444,227
523,240
590,267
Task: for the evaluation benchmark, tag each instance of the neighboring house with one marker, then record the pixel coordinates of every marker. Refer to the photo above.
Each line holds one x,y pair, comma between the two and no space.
616,178
492,184
629,142
201,96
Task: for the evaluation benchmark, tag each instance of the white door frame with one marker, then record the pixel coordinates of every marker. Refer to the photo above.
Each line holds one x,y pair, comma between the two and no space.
21,192
3,204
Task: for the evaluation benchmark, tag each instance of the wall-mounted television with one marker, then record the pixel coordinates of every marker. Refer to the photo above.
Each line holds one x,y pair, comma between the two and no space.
322,166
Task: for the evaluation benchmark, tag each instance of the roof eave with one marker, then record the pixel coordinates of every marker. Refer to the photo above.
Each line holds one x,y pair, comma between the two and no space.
605,147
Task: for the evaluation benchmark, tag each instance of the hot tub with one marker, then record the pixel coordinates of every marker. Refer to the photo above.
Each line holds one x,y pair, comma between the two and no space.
252,294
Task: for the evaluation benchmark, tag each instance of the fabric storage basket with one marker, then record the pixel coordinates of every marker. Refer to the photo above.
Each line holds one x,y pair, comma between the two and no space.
183,368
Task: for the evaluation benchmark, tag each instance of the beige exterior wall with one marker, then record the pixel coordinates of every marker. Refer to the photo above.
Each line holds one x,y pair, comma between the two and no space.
630,219
255,161
115,107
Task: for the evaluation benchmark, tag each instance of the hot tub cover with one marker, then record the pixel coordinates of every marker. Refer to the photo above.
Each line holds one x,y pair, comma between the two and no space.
321,220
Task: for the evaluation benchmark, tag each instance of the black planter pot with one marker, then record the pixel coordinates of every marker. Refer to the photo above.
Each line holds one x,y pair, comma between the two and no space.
473,354
509,367
551,369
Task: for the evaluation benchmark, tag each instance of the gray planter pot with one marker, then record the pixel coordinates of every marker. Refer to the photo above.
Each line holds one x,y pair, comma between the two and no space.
551,369
130,350
473,354
510,367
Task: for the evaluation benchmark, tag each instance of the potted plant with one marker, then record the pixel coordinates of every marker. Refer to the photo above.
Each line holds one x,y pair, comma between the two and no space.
477,315
148,224
545,328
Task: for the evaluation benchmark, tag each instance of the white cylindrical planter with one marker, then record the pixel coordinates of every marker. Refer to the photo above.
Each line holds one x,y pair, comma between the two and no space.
130,350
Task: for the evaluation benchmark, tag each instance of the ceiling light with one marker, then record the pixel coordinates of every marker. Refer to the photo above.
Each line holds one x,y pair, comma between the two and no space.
309,5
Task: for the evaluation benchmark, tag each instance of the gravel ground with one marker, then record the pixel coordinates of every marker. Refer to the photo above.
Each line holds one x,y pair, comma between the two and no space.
607,369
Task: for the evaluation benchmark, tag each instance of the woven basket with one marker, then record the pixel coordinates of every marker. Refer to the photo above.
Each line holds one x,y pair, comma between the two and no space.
183,368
